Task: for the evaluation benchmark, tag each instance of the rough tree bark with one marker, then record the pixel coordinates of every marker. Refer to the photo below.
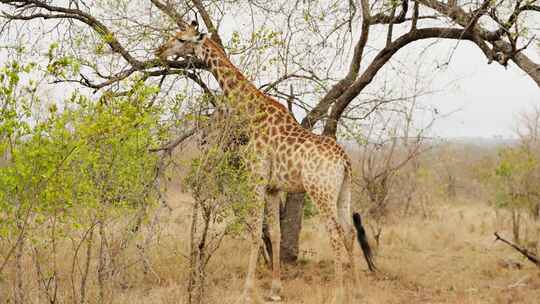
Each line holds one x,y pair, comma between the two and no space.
291,224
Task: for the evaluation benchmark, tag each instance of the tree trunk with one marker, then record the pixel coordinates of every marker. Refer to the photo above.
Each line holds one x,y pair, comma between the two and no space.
291,224
516,219
196,271
451,187
19,297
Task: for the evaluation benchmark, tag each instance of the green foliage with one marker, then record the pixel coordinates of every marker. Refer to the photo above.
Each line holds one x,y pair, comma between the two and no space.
391,4
80,160
220,179
223,187
515,177
310,209
61,66
261,41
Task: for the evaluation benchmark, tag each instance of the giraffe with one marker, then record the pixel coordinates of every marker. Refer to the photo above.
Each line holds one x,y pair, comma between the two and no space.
287,158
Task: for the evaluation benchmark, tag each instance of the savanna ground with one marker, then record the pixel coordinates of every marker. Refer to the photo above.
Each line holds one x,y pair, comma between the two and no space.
442,251
447,257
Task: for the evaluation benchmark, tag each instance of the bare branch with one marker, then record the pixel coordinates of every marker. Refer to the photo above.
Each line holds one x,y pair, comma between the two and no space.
379,61
168,10
322,106
208,22
170,146
415,16
501,50
392,18
71,13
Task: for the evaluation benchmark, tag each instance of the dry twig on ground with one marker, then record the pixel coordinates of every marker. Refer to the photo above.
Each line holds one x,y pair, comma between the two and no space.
530,256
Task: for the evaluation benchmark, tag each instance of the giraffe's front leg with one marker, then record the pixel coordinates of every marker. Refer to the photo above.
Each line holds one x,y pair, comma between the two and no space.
273,202
254,223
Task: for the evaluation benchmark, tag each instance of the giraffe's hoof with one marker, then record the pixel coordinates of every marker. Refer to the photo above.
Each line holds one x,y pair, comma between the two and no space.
274,298
275,291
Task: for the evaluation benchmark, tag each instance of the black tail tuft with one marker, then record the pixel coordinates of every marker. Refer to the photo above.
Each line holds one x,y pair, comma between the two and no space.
362,239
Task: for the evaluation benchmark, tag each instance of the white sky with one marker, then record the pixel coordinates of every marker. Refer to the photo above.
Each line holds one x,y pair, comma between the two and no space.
488,96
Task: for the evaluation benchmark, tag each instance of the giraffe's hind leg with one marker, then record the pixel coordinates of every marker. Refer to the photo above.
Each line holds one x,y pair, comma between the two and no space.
345,220
326,203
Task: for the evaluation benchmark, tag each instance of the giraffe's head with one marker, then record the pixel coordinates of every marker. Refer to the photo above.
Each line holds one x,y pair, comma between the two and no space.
184,43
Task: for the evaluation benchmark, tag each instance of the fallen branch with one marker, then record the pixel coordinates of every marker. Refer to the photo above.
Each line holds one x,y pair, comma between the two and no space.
530,256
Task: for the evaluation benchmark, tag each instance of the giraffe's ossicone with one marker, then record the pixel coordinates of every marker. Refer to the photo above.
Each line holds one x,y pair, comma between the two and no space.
287,158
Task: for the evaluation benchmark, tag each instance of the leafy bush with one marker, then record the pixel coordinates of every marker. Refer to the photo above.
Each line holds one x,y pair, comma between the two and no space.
87,155
516,183
516,178
70,168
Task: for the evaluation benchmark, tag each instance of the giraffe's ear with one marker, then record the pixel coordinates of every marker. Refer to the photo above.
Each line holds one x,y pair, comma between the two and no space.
195,24
201,36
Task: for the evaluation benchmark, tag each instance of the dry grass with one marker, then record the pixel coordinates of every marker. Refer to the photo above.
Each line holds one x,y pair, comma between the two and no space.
447,258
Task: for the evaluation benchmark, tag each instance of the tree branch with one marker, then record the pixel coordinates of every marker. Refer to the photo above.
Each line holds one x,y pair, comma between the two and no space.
171,145
381,18
324,104
168,10
502,51
71,13
379,61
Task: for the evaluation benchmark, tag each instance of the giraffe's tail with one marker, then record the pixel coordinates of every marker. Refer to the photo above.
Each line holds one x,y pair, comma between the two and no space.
362,240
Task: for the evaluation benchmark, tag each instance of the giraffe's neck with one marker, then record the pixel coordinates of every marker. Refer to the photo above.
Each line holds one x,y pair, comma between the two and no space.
241,95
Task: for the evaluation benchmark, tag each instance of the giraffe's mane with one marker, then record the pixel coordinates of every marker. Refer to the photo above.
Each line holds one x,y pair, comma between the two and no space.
276,103
214,46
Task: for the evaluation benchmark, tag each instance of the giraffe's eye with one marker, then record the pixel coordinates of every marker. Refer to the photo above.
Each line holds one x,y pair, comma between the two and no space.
181,40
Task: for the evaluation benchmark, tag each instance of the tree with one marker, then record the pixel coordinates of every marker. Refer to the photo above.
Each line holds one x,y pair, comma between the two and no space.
220,183
516,175
295,50
528,131
518,180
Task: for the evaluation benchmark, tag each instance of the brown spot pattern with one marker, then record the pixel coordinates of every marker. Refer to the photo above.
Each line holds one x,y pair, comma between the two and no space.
297,159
